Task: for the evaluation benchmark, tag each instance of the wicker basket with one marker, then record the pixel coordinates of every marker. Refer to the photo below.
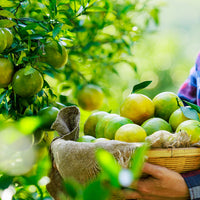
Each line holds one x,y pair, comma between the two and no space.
177,159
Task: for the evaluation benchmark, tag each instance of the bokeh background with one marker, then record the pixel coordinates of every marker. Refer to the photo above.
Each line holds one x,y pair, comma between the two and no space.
164,55
168,54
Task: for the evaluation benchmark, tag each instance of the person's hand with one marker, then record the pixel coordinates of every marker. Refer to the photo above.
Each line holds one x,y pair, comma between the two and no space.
162,184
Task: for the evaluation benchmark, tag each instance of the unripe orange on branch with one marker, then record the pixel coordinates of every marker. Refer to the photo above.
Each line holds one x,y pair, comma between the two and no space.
55,54
90,97
27,82
6,72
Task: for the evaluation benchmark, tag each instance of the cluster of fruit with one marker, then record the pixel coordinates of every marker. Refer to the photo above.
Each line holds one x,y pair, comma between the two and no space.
140,117
28,81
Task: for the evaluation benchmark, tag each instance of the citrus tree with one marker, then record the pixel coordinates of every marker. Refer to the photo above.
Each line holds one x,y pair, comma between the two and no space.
51,50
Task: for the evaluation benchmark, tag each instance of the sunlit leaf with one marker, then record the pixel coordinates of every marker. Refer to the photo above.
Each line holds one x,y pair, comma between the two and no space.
96,189
140,86
6,3
6,23
6,13
109,165
137,160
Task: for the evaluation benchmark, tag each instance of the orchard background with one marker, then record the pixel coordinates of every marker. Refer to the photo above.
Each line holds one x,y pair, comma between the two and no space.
110,44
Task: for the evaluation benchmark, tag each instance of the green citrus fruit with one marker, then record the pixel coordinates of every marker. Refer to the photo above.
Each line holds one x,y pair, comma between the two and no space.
165,104
137,107
86,138
91,122
113,125
102,123
9,37
192,128
3,40
6,72
48,116
27,83
155,124
131,133
90,97
176,118
55,54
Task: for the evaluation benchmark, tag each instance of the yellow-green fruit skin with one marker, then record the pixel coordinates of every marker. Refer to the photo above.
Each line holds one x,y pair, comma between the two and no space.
155,124
165,104
192,128
6,72
53,56
176,118
91,122
131,133
137,107
3,40
102,123
90,97
48,116
27,85
113,125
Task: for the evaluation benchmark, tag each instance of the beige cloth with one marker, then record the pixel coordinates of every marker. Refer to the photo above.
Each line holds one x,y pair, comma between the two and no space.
77,159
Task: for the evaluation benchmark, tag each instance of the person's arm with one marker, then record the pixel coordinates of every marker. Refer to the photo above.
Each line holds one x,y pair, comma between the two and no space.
161,184
192,180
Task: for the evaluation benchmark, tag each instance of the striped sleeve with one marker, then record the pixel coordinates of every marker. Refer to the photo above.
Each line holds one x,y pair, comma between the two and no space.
192,180
190,89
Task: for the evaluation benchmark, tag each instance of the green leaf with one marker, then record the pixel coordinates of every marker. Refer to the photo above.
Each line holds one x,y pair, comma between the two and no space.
29,70
6,13
190,113
6,4
2,95
6,23
90,2
109,166
57,29
137,160
73,188
5,181
96,189
194,106
140,86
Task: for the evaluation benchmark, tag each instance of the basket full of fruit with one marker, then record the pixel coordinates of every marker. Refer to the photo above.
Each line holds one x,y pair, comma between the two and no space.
170,128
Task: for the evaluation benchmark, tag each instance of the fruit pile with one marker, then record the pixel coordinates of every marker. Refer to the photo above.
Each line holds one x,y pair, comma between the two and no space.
141,117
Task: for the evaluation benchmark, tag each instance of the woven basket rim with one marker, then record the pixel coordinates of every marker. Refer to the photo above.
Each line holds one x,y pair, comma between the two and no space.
173,152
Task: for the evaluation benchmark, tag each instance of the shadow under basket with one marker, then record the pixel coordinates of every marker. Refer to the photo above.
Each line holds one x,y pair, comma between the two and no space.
177,159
